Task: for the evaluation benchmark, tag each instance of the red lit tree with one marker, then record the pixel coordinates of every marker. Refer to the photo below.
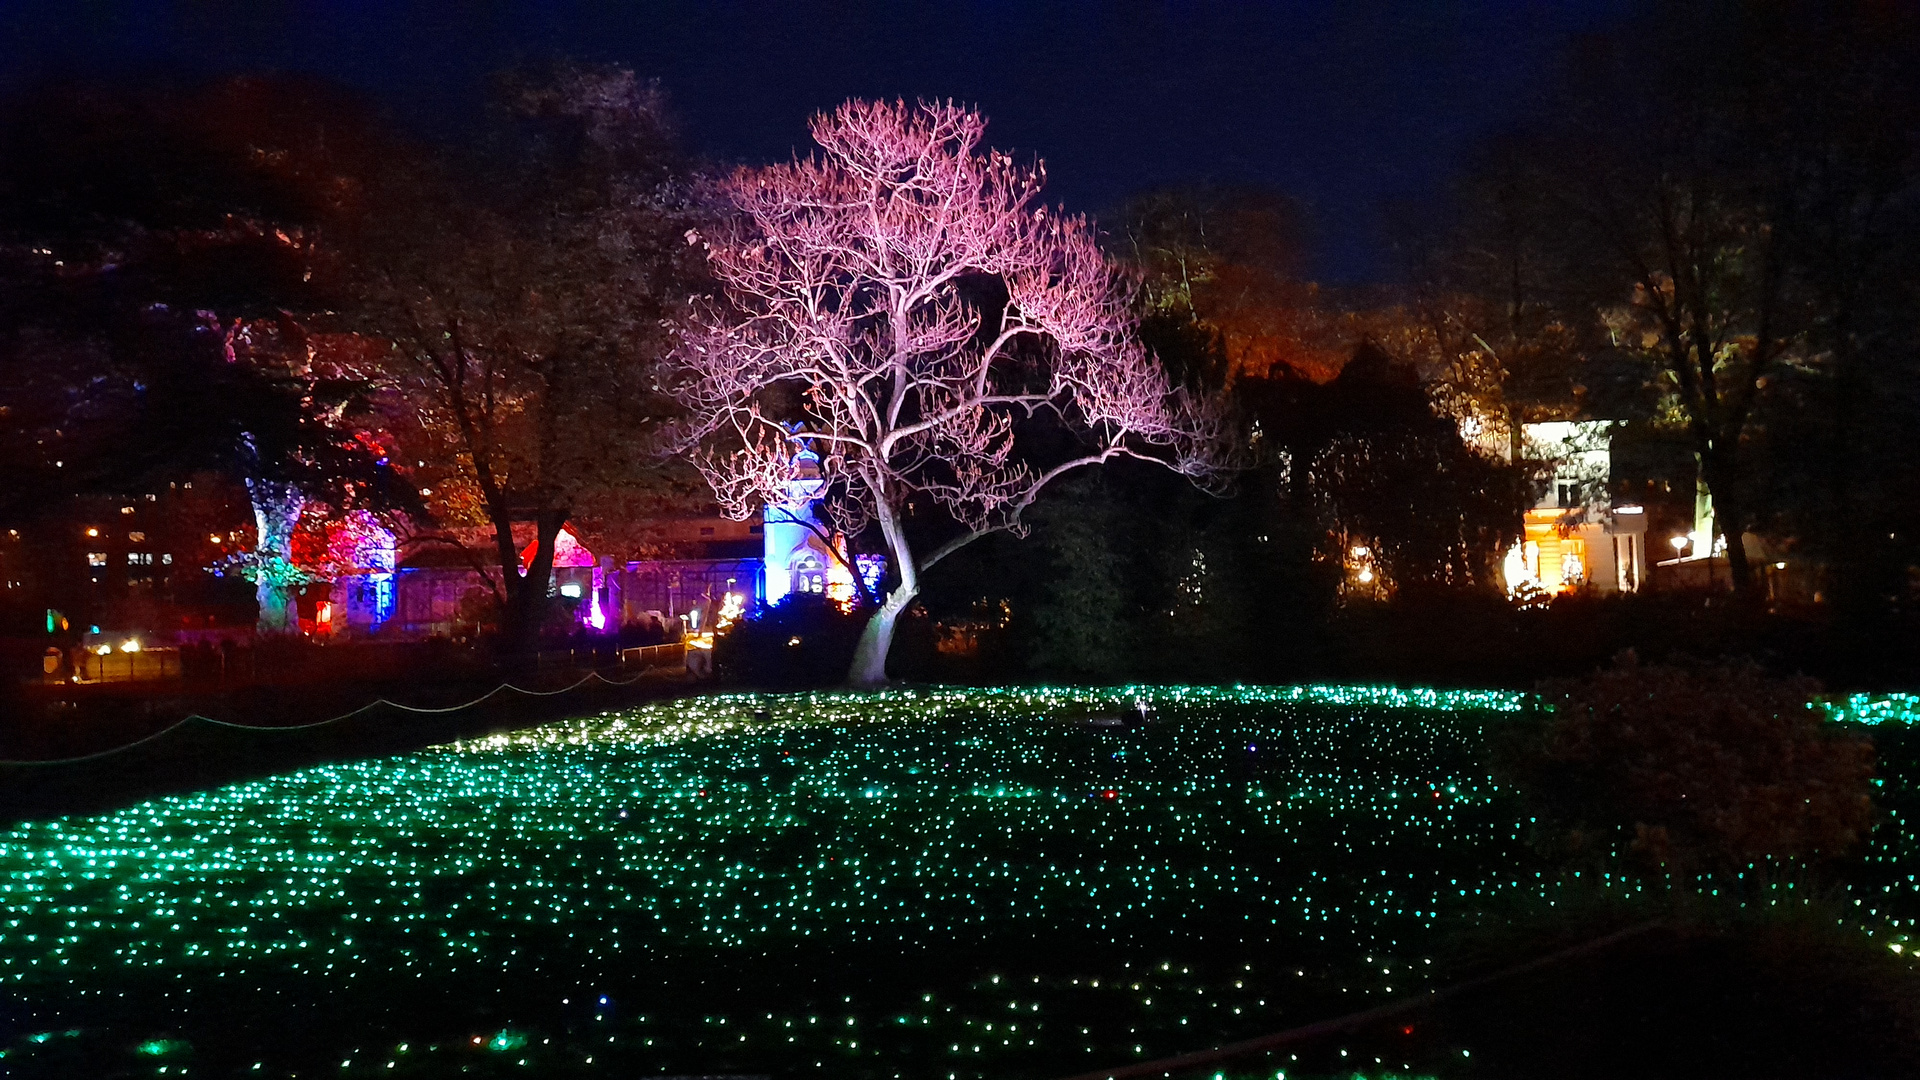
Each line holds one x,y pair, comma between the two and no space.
914,303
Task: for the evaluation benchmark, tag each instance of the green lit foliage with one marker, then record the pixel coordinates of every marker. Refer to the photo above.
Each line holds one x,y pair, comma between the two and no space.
1693,768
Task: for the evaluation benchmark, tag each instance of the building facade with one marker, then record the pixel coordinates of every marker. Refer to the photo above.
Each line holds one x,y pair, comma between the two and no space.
1576,537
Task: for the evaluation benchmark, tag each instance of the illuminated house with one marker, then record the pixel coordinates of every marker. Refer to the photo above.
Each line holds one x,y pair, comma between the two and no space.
691,573
1575,537
796,555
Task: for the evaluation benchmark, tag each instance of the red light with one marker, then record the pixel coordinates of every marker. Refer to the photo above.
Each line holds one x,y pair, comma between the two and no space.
1109,794
1408,1030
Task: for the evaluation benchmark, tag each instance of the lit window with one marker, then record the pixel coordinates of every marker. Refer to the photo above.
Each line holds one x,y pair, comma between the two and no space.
96,558
139,558
126,509
137,537
166,559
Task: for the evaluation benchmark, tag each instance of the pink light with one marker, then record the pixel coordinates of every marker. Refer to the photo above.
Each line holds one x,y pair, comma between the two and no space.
595,617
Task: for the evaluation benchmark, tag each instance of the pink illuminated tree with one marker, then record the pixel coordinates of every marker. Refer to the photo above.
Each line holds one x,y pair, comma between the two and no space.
901,303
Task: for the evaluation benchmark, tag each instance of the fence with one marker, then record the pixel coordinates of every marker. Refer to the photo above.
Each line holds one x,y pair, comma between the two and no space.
321,662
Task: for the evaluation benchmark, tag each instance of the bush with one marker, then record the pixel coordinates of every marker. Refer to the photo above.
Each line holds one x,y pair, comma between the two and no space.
805,641
1691,768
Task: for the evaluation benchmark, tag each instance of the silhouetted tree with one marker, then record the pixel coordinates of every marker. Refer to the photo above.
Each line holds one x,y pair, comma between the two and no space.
528,299
1710,194
158,246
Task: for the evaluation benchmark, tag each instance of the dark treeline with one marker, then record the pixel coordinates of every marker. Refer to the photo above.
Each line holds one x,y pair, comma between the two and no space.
261,287
1705,229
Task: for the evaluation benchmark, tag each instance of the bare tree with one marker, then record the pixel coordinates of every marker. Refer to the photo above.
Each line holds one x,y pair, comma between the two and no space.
912,288
527,323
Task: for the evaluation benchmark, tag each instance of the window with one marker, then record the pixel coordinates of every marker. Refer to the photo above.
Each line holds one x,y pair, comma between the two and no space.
166,559
809,576
139,558
1573,562
1569,495
96,558
137,537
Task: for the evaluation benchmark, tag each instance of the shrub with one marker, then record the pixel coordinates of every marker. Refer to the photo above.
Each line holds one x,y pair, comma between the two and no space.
804,641
1692,768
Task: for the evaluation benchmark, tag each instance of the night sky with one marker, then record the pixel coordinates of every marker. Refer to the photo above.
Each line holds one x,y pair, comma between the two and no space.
1344,105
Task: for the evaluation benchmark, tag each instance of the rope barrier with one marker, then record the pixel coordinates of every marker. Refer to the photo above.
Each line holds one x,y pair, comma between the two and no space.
425,711
1165,1066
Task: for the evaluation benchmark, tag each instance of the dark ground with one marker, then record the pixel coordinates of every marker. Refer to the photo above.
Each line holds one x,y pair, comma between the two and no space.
189,754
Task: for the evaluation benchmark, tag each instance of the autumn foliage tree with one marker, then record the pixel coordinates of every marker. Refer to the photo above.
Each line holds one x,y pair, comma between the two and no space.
926,306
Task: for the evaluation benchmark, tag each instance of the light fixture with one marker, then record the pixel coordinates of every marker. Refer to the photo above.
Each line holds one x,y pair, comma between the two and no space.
1779,566
1680,543
93,532
571,590
130,645
1629,510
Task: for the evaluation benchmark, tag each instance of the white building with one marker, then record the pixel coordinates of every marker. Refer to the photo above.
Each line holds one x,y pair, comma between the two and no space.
1575,537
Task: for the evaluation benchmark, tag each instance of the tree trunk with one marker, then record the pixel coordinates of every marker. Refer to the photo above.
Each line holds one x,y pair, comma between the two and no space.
276,510
279,617
1730,517
869,670
527,593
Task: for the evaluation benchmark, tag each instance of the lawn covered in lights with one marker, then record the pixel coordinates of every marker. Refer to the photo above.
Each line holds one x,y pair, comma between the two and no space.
913,883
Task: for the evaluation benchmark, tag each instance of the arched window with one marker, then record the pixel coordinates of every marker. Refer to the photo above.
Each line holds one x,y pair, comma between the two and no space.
807,573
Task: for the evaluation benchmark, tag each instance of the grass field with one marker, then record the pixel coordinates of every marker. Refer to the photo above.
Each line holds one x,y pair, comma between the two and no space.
919,884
